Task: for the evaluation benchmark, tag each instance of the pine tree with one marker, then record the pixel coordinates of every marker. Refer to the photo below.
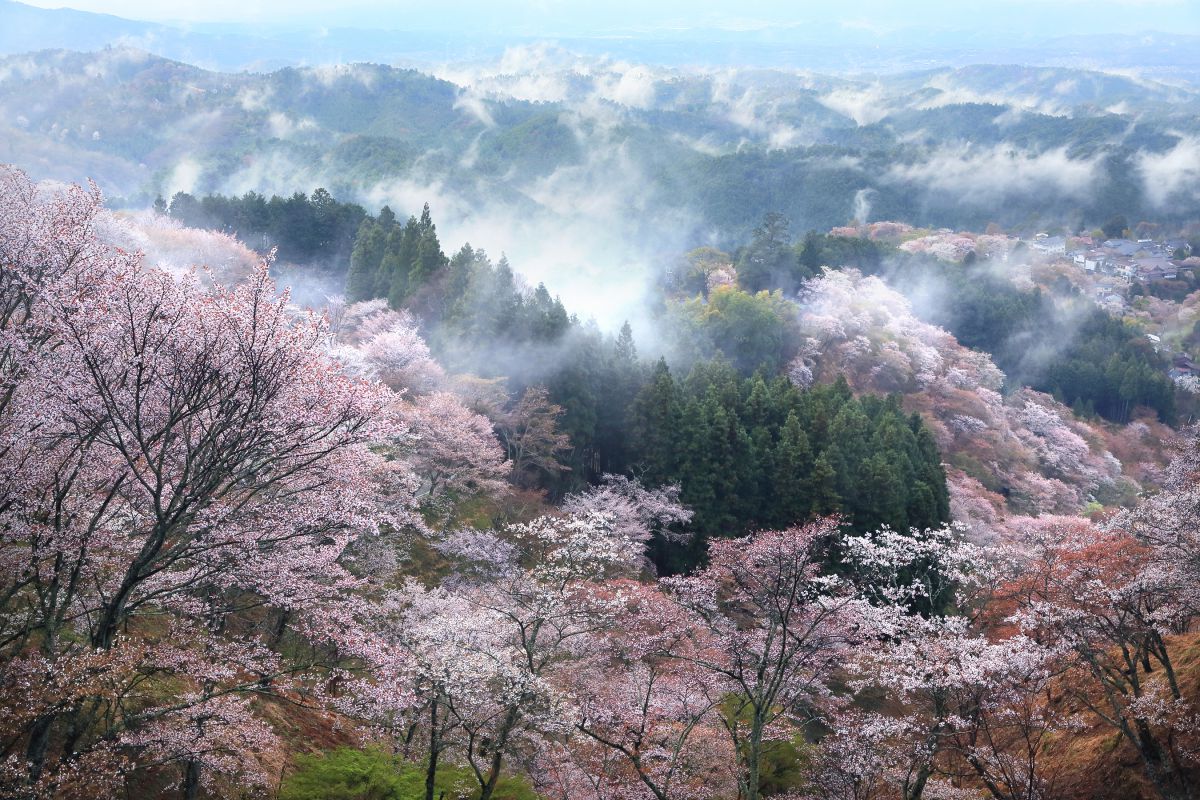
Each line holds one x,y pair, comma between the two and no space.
459,276
823,488
768,261
428,257
756,411
617,386
364,262
654,425
792,472
405,248
931,475
879,495
626,351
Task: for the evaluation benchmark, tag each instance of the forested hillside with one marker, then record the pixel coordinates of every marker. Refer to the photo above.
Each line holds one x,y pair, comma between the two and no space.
1048,146
516,421
526,471
253,550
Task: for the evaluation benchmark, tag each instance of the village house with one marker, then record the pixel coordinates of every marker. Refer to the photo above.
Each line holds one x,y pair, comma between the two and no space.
1052,245
1149,270
1122,248
1174,246
1092,260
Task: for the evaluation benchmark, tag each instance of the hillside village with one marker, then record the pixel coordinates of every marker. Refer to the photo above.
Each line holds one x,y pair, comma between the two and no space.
1149,281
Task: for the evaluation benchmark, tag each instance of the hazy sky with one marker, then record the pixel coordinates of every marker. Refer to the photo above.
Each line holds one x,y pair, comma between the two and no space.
1045,18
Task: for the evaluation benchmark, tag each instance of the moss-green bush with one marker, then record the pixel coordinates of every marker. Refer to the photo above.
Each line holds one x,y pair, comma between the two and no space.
374,774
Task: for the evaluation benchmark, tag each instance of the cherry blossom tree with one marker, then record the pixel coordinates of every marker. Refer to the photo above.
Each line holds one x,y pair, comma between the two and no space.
638,514
974,709
478,665
548,608
973,693
169,245
1169,521
441,655
377,343
452,448
530,434
182,468
648,725
1105,600
770,629
1026,442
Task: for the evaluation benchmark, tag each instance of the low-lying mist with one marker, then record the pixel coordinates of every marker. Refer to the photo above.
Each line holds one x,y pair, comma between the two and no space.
592,173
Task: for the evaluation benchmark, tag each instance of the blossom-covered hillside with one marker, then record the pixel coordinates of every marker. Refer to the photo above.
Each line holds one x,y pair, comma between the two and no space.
1020,454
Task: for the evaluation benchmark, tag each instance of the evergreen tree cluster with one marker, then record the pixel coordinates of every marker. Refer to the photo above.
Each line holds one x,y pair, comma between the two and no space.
772,261
393,260
493,327
485,302
818,250
749,452
1109,369
306,229
757,453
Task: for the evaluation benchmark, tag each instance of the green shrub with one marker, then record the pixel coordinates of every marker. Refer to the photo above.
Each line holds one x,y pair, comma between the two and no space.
374,774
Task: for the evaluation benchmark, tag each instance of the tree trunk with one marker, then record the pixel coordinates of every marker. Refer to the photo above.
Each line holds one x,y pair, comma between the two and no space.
1170,784
278,629
39,743
191,780
917,789
493,777
754,757
489,787
434,747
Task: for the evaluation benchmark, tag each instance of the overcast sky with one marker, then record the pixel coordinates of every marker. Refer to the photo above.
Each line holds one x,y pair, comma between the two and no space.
1046,18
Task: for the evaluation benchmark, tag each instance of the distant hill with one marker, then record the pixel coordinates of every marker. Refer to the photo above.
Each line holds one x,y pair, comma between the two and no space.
24,28
587,168
839,49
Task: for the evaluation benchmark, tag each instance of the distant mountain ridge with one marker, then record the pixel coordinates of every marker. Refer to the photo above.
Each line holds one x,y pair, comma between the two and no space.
944,147
235,47
25,28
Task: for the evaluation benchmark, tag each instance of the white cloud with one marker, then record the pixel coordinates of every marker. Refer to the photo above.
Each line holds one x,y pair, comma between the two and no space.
535,73
631,86
593,232
273,173
183,177
865,106
254,98
949,92
755,111
330,74
284,127
984,176
474,105
1165,175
